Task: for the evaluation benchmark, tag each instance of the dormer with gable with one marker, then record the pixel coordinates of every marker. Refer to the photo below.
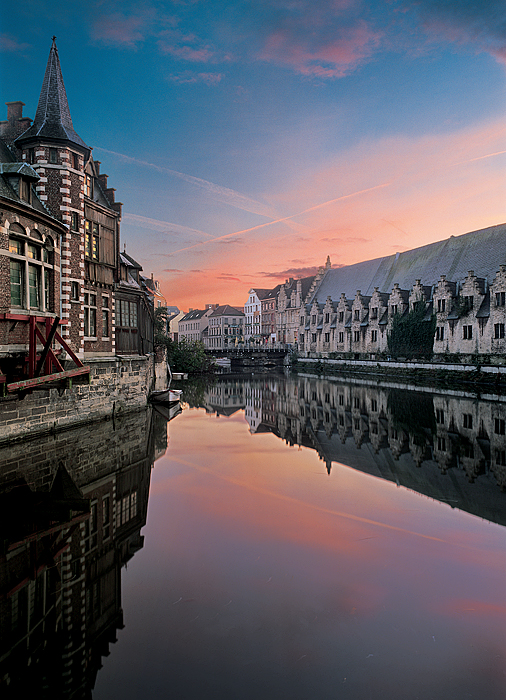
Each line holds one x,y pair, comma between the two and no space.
343,324
359,322
398,301
497,311
315,326
328,325
443,300
469,301
378,317
419,293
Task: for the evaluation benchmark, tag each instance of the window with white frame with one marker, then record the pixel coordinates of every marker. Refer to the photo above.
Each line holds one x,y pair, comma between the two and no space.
90,315
31,269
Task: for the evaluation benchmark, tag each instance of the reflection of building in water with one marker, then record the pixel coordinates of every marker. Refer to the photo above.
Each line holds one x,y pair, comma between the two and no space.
60,597
225,398
451,448
253,392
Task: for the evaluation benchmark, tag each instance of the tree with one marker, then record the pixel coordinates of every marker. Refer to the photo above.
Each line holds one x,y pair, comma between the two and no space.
412,335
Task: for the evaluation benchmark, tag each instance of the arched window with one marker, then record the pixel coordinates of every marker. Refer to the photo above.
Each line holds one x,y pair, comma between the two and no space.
31,269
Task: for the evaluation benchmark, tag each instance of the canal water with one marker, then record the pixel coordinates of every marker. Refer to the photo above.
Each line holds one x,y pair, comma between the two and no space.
296,538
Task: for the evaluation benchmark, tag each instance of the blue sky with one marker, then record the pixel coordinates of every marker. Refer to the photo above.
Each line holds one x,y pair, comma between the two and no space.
249,140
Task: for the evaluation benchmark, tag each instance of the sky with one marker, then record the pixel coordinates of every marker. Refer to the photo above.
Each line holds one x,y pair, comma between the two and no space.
249,140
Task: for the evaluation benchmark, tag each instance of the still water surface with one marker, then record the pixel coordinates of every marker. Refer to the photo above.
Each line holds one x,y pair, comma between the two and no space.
303,546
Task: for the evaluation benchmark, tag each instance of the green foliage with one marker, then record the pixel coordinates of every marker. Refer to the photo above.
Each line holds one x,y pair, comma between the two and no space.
161,327
188,356
412,335
183,356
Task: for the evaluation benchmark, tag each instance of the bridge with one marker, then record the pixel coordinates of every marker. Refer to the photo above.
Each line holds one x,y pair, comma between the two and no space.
252,355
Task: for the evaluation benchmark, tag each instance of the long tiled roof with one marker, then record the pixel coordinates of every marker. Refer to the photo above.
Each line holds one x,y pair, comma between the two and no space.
481,251
52,119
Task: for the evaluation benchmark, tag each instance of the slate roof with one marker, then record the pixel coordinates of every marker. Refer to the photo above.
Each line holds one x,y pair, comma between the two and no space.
482,251
227,310
194,315
52,119
9,168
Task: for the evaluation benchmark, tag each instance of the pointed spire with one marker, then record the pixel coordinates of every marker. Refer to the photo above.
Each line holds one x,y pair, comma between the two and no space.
52,119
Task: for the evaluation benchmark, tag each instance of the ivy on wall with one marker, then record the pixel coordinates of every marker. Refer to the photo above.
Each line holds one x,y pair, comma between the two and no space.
412,335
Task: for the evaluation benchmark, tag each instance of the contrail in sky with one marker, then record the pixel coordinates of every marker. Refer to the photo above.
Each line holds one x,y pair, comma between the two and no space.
164,226
489,155
285,218
221,194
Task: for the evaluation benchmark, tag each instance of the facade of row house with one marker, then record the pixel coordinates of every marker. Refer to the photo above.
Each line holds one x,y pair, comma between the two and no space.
225,329
290,301
59,239
268,316
193,326
253,315
351,309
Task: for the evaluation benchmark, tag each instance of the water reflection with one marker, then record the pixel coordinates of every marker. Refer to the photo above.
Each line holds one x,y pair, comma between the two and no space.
261,577
72,506
448,446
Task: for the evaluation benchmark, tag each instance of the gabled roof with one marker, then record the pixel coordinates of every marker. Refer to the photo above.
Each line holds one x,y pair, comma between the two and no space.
482,251
261,293
22,169
9,168
227,310
128,261
52,119
194,315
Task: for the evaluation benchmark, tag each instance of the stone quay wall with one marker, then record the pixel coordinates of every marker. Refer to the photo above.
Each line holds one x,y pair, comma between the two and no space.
116,386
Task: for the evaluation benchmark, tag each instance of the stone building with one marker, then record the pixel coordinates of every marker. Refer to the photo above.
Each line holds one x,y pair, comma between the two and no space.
193,326
225,329
461,281
268,316
290,300
253,315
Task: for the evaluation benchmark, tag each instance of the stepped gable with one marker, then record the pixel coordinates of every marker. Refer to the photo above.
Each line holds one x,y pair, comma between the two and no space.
52,119
482,251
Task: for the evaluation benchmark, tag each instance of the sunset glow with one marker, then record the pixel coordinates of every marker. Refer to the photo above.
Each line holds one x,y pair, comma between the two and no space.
248,141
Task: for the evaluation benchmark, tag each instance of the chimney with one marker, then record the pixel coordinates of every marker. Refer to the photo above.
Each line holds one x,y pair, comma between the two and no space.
16,124
14,110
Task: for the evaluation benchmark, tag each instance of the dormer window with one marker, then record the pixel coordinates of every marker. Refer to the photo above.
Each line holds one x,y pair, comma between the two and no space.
24,190
88,186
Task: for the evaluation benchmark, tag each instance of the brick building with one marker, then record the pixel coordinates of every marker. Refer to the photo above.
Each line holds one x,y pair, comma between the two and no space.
60,238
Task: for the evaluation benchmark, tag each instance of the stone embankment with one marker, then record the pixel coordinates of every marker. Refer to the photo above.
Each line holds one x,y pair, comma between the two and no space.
416,372
116,386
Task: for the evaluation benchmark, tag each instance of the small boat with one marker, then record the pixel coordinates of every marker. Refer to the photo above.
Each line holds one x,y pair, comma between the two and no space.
168,411
167,396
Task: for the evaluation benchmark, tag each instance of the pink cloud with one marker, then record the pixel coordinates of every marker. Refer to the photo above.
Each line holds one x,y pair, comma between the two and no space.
9,44
121,30
326,58
187,47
